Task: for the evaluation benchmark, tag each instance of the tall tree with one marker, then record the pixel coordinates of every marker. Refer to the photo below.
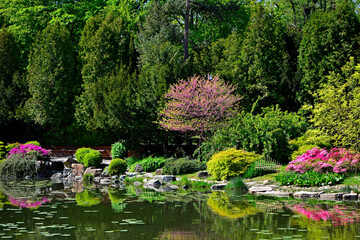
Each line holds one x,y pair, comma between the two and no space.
329,39
53,79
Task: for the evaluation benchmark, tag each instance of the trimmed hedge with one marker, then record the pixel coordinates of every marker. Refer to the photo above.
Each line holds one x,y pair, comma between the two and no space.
117,166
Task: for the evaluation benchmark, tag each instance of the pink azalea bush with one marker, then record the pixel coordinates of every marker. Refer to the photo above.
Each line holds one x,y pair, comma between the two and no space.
337,160
24,149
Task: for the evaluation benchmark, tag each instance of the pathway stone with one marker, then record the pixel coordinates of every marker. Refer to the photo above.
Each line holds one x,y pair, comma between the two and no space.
306,195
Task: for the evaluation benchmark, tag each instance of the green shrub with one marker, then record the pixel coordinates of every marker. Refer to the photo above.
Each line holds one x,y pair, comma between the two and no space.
11,146
311,139
150,164
237,185
252,172
36,143
131,160
2,150
118,150
117,166
182,166
309,178
80,154
92,158
267,134
19,166
230,163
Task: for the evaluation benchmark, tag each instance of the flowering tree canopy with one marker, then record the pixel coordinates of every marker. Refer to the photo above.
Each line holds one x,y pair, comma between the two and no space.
198,104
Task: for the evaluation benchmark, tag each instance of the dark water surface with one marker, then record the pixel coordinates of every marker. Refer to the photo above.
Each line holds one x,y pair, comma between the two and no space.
43,210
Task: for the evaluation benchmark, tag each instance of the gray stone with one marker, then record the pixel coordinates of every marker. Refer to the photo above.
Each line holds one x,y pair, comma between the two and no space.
97,179
77,169
266,182
148,175
275,193
305,195
96,172
153,183
138,168
117,181
137,183
56,176
105,181
78,178
122,177
174,187
185,187
167,178
260,189
218,187
66,172
114,177
331,196
158,171
350,196
131,174
203,174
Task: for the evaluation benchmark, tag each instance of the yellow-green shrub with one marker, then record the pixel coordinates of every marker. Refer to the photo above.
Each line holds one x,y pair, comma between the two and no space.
230,163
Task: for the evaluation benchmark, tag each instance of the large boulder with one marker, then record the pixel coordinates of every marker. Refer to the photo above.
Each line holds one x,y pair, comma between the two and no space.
96,172
56,176
138,168
305,195
166,178
153,183
203,174
77,169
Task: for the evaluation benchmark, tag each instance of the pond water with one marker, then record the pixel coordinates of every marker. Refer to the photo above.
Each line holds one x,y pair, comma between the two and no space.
43,210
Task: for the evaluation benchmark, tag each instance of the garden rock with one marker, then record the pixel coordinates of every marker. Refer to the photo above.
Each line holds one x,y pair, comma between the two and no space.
158,171
167,189
350,196
114,178
122,177
218,187
131,174
174,187
167,178
305,195
77,169
139,168
66,172
185,187
56,176
260,189
203,174
148,175
97,179
153,183
275,193
331,196
96,172
105,181
69,162
137,184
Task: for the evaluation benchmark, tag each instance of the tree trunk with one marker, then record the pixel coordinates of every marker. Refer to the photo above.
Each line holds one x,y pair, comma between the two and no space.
186,30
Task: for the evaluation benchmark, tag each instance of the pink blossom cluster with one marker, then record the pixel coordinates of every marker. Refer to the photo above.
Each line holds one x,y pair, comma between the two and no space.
337,160
338,215
25,203
23,149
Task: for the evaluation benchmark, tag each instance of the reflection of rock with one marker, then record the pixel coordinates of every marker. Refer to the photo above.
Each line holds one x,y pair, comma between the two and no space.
77,187
96,172
66,172
77,169
166,178
331,196
305,195
351,196
218,187
87,198
56,176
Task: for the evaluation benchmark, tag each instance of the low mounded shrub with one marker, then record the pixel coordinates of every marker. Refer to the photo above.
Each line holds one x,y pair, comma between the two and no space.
182,166
118,150
117,166
36,143
80,154
309,179
92,158
337,160
230,163
19,166
150,164
2,150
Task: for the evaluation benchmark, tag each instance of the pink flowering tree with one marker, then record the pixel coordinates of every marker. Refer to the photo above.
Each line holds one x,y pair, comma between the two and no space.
198,105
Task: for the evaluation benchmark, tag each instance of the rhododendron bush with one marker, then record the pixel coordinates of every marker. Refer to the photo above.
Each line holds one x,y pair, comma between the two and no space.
337,160
24,149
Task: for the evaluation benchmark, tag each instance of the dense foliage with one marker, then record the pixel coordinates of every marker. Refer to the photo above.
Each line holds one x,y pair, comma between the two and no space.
118,150
309,179
150,164
230,163
117,166
20,166
88,157
267,134
182,166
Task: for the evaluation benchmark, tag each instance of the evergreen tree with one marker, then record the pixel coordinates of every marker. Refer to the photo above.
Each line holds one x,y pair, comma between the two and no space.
52,77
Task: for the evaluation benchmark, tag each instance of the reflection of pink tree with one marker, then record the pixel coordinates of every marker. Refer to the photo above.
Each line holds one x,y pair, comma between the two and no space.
26,203
338,215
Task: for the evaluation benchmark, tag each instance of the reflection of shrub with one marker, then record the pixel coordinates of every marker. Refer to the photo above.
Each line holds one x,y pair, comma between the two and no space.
20,166
150,164
182,166
220,203
92,158
237,185
26,203
309,178
87,198
117,166
118,150
88,179
230,163
117,200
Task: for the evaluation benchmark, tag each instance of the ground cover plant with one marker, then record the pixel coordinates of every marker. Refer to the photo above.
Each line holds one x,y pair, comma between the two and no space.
182,166
150,164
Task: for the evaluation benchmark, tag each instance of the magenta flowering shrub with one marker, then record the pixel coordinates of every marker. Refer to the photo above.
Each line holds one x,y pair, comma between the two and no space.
24,149
337,160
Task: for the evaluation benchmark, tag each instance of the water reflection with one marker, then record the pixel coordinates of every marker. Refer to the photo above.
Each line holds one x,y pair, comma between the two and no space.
40,210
